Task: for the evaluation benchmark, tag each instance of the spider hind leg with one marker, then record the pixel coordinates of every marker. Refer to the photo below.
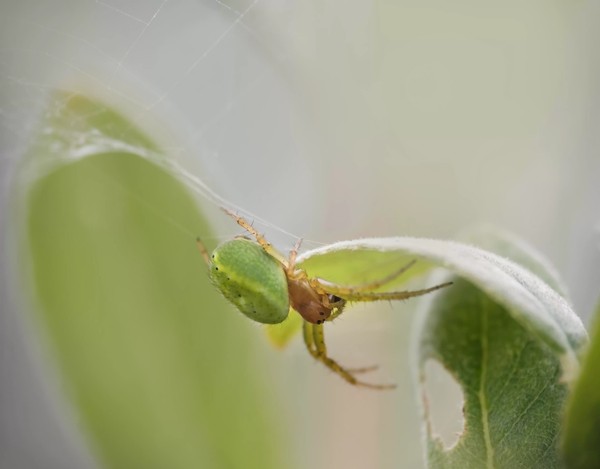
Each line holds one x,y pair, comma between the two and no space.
315,343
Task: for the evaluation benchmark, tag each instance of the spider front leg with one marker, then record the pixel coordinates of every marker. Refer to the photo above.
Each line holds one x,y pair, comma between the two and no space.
374,285
314,338
260,239
364,292
357,293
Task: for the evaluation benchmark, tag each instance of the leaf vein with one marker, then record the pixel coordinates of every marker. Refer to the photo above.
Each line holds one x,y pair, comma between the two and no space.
512,372
481,393
522,414
551,445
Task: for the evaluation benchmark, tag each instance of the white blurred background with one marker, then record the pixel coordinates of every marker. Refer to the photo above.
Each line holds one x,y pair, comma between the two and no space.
330,120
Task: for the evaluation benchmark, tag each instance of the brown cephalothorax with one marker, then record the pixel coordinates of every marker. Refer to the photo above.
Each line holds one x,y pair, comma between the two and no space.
313,305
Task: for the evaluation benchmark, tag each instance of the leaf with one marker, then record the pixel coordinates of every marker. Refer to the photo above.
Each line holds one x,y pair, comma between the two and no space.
530,301
505,336
155,363
281,334
510,381
581,438
508,245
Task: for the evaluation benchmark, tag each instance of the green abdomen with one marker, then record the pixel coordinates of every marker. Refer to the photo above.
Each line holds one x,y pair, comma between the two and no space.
251,279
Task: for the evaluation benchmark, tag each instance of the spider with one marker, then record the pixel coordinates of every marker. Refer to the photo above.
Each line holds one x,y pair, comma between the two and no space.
262,283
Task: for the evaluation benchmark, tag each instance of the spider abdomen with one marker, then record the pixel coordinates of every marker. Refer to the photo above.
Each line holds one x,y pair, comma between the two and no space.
251,279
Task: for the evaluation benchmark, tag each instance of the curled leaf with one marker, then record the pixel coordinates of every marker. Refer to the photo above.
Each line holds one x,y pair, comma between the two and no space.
508,339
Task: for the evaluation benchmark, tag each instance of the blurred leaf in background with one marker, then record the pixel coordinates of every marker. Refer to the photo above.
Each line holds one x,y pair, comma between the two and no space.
160,370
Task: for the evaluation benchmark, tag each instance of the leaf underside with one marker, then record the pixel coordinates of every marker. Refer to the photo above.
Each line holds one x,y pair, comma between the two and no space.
510,381
508,339
154,363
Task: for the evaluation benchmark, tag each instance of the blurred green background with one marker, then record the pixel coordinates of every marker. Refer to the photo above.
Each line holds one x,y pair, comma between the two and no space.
161,373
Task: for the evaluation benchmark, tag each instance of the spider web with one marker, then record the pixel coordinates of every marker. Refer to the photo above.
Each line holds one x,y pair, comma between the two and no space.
195,71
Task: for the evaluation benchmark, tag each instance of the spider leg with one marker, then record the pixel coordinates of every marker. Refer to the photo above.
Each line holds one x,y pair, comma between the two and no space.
309,341
371,285
314,339
323,285
293,254
203,250
260,239
353,294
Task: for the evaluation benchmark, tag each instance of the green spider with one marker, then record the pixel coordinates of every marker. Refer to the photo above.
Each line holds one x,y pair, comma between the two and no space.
263,284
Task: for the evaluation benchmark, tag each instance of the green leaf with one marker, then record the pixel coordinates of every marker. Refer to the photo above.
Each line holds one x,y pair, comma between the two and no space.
281,334
529,300
581,439
507,338
160,370
510,381
345,267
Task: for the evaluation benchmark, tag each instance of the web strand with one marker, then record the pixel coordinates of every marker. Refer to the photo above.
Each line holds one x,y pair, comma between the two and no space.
71,58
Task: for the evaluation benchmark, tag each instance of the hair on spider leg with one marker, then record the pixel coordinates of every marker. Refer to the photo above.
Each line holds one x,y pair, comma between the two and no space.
203,250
